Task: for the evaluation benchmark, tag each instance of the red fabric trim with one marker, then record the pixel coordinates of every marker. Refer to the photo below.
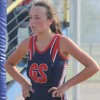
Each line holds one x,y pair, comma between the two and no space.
47,46
54,50
31,47
65,64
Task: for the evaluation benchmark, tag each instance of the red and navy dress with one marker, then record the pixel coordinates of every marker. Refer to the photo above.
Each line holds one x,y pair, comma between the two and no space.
46,69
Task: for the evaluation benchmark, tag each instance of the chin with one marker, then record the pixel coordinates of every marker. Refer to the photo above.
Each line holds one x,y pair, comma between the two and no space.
34,32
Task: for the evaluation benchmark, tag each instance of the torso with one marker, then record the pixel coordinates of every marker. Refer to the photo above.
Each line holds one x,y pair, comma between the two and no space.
46,69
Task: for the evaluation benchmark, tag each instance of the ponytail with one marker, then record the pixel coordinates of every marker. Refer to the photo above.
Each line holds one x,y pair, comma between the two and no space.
55,27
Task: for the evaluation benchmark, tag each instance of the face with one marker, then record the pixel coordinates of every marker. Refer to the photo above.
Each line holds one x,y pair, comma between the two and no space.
38,20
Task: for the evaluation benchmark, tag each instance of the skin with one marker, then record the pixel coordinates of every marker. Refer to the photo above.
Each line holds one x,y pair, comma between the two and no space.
41,25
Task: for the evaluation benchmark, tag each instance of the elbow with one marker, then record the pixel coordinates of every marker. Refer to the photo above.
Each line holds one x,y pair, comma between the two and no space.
6,65
96,69
93,69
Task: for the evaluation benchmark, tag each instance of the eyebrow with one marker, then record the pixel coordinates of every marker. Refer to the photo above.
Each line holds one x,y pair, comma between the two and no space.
35,15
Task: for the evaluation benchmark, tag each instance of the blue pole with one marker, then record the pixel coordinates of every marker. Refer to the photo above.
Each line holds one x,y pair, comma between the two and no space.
3,17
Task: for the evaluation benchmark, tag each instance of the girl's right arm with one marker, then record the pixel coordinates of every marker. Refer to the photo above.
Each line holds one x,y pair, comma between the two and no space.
10,66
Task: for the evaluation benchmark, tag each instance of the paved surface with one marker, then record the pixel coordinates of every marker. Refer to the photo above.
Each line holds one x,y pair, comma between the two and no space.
88,91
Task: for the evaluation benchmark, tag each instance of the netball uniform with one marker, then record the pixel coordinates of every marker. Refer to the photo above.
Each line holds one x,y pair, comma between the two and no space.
46,69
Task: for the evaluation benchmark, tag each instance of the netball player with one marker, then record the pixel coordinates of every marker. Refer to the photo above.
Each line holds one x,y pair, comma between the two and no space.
48,52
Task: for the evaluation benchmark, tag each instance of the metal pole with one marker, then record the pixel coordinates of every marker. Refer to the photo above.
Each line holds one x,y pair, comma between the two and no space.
76,33
66,10
13,6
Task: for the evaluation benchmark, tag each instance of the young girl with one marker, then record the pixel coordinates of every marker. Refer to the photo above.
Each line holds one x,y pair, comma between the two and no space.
48,52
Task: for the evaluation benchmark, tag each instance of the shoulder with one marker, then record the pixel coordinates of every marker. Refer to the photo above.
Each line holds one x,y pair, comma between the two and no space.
24,45
67,45
20,52
65,39
25,41
66,42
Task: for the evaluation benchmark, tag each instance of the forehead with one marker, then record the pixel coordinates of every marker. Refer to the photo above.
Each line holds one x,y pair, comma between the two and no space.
37,10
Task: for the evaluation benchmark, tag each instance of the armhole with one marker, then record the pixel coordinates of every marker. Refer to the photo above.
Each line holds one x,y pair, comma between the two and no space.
58,41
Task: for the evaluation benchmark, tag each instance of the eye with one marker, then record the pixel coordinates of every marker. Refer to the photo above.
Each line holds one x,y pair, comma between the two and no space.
37,18
30,17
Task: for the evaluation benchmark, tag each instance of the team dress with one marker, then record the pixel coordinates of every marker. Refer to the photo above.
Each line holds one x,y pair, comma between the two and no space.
46,69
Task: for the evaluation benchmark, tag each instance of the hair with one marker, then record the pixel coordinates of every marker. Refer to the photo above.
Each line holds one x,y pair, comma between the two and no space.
51,14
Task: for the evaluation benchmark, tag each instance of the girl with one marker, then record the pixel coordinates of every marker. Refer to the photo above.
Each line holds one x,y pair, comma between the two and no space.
49,52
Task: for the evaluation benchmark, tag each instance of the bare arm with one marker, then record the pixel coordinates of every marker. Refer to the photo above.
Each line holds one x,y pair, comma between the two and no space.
13,60
91,67
67,46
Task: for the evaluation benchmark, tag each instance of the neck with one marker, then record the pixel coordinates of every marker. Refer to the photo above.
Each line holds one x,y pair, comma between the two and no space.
42,37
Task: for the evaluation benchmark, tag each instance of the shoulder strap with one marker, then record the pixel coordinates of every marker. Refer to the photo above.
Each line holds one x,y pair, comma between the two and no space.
54,48
53,43
31,47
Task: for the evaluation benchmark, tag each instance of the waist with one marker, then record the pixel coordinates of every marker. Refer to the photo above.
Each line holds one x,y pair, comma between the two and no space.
42,97
40,90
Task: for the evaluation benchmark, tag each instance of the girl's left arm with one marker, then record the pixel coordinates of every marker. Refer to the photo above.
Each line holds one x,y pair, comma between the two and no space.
91,67
67,46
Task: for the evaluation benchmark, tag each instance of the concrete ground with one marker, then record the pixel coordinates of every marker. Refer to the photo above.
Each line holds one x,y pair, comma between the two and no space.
88,91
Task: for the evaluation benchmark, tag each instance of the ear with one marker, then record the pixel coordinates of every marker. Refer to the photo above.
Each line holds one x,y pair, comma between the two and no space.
50,21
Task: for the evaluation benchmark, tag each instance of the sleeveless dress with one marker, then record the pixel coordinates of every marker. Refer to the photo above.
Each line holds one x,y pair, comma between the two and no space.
46,69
